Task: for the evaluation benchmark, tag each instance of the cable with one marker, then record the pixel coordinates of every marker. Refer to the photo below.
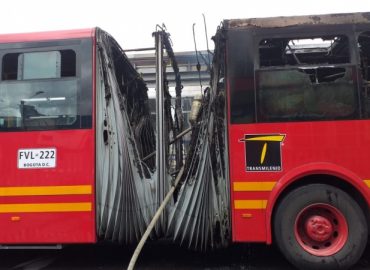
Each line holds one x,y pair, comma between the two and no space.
198,64
205,30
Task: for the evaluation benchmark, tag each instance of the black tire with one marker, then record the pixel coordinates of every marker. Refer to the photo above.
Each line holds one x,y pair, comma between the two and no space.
289,211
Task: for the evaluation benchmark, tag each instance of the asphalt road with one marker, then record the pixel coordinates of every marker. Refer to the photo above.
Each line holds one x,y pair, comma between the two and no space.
161,255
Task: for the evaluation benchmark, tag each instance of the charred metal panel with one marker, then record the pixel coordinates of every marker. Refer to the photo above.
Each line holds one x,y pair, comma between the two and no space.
201,216
240,68
278,22
125,185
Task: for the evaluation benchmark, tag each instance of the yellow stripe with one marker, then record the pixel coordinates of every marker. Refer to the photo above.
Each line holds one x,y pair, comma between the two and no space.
274,138
45,190
254,186
45,207
367,182
250,204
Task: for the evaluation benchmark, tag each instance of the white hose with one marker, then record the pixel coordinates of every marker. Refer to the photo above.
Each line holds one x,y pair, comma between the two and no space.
145,236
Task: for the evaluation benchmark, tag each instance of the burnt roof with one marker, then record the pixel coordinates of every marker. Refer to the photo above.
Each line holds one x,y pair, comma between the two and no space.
280,22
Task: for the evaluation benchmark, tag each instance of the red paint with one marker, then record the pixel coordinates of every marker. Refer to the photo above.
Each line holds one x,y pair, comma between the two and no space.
318,228
338,148
321,230
47,228
94,68
255,232
75,166
46,36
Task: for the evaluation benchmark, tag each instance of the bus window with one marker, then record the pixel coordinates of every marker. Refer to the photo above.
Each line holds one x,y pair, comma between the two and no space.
304,51
305,79
290,95
39,90
240,77
39,65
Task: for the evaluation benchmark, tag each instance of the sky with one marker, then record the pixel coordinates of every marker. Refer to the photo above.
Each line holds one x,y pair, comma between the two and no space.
133,22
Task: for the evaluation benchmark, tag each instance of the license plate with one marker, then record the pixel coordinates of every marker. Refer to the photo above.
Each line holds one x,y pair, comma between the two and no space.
37,158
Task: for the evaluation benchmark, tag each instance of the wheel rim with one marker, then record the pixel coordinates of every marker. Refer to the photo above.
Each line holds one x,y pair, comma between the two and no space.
321,229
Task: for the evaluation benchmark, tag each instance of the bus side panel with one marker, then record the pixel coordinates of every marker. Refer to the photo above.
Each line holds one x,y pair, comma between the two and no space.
47,205
339,144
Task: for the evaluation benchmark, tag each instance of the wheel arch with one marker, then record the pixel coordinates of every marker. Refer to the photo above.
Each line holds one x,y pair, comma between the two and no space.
322,173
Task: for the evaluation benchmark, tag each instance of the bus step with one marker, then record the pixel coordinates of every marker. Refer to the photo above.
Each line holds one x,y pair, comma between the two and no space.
31,246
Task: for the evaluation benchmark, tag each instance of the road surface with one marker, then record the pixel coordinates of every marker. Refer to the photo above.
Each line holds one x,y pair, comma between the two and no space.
162,255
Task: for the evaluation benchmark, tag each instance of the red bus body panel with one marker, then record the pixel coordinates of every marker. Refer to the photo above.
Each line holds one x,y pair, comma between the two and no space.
49,205
75,167
338,148
47,36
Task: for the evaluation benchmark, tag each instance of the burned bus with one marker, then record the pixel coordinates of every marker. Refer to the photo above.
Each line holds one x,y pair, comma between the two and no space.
298,134
278,150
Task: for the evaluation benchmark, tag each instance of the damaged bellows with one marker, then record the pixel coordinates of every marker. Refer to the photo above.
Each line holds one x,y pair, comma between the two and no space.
127,187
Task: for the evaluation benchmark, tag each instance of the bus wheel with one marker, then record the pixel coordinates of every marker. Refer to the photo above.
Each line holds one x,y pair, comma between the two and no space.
320,227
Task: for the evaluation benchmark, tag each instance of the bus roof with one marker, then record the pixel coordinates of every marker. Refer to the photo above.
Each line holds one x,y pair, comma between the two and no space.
50,35
279,22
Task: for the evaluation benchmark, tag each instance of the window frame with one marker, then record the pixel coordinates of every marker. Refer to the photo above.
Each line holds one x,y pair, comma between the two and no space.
306,33
83,49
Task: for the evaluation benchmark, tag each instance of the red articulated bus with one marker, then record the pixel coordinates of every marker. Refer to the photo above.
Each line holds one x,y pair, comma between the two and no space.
279,152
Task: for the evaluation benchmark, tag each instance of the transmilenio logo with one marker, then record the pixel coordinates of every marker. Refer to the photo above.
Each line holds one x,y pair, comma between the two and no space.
263,152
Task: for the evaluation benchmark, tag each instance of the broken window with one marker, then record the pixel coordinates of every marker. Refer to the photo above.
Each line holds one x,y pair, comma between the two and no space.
305,79
290,95
298,51
364,52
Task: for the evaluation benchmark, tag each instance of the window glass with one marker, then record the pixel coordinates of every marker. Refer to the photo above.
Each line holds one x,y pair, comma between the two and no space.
364,52
294,95
39,65
39,90
38,104
240,77
305,79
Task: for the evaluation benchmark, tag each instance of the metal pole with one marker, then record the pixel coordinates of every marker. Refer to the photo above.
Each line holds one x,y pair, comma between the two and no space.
160,123
140,49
